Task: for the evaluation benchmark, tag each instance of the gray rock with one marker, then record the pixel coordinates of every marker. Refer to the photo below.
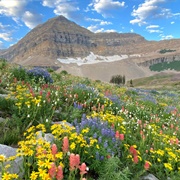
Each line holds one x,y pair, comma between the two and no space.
46,136
149,177
16,166
3,95
2,119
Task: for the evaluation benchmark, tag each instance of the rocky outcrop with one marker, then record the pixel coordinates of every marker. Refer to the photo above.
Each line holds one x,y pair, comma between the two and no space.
159,60
59,37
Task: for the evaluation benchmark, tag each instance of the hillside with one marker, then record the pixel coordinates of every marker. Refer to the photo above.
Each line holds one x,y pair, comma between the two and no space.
58,40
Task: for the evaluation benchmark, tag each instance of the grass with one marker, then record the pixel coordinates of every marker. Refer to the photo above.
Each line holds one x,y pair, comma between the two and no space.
158,81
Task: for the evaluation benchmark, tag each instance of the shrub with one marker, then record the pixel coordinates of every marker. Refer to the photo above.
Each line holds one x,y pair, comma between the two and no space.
118,79
19,73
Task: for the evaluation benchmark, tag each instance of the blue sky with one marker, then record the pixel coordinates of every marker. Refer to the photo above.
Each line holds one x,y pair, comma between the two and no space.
153,19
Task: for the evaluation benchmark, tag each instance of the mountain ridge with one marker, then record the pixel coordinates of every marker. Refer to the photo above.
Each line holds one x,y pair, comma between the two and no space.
61,38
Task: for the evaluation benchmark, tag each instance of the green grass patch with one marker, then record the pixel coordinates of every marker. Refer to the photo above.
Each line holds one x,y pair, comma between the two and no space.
174,65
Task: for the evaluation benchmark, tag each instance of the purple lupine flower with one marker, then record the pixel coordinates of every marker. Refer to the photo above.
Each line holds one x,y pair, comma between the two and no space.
99,139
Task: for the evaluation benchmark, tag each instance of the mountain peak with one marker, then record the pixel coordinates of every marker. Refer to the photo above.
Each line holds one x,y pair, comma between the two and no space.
59,18
62,38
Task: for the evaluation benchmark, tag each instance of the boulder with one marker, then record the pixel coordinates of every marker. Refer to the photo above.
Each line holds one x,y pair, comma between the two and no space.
16,166
149,177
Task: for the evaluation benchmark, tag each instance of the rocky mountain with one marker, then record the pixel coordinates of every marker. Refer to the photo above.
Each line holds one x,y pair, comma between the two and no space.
61,38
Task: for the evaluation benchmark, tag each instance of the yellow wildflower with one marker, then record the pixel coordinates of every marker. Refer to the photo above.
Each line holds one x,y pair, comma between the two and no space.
34,175
168,166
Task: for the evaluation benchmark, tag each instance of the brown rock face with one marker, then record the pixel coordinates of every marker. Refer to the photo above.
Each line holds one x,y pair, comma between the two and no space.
59,37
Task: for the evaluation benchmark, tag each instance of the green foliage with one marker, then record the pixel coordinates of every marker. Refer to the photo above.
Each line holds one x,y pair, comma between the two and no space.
174,65
10,133
163,51
6,106
64,72
19,73
111,170
118,79
3,64
131,83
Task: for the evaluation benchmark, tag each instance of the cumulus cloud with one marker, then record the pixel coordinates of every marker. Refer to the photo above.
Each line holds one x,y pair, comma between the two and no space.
93,28
105,7
3,27
31,19
93,19
16,9
148,10
97,29
102,23
172,22
6,37
163,37
62,7
110,30
152,26
153,29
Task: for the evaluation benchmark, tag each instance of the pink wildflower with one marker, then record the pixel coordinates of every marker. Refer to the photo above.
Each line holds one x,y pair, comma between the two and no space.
135,159
146,165
117,134
82,169
74,161
133,151
121,137
59,175
65,147
54,149
52,170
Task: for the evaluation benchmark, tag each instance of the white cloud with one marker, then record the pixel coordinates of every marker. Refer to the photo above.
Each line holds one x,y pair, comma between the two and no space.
154,31
148,10
92,19
172,22
163,37
132,30
6,37
16,9
31,19
138,21
93,28
96,29
62,7
110,30
152,26
105,7
102,23
3,27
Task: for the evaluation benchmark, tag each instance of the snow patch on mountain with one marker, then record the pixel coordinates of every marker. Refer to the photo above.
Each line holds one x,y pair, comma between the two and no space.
92,59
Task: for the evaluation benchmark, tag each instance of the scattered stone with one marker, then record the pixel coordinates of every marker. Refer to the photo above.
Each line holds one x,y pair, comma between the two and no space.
16,166
149,177
2,120
45,136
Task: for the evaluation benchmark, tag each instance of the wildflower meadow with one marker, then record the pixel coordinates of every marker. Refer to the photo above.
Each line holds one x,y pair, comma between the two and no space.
99,131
